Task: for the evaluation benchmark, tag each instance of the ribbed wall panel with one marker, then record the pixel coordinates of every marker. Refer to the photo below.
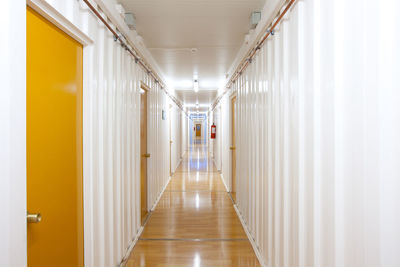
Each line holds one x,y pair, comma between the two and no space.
112,140
216,118
317,137
176,136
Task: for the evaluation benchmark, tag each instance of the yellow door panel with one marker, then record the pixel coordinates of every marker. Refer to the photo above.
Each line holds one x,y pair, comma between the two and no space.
198,129
54,144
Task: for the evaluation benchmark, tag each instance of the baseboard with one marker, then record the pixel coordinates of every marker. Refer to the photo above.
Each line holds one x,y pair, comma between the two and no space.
133,244
220,171
246,229
159,195
222,177
223,181
130,248
177,165
250,237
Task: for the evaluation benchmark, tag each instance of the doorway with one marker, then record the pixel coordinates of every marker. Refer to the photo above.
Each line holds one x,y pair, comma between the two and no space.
233,148
143,152
198,130
54,144
170,140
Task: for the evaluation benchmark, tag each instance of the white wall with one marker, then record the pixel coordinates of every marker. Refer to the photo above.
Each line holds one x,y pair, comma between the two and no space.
112,141
221,116
217,142
12,134
318,137
210,117
204,131
226,140
111,137
176,136
184,133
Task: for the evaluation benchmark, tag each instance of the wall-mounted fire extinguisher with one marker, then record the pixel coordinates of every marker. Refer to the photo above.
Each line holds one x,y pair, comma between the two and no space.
213,131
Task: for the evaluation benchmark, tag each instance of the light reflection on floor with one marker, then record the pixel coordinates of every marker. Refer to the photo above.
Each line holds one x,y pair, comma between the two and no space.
194,223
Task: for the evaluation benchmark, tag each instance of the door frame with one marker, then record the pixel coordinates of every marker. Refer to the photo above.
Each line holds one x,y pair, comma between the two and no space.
146,88
170,139
61,22
233,133
52,15
198,130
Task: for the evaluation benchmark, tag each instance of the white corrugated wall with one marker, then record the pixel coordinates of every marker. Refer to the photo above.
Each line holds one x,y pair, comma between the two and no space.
112,140
318,132
176,136
220,137
184,133
221,152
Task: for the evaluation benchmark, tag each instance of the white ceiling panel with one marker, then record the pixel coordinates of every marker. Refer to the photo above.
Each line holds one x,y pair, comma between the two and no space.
215,29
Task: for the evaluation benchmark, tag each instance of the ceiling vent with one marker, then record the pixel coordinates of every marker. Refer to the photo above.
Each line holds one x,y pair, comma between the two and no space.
255,18
130,20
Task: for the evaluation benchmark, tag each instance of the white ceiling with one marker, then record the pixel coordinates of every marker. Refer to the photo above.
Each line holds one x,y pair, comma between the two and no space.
215,28
203,98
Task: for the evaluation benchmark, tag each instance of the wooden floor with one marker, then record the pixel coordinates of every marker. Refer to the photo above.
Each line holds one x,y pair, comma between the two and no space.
195,223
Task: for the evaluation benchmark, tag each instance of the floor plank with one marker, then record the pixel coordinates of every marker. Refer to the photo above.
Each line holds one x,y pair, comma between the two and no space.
194,223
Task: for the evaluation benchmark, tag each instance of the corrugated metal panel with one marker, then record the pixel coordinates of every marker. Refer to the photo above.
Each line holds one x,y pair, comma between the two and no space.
112,141
317,138
176,137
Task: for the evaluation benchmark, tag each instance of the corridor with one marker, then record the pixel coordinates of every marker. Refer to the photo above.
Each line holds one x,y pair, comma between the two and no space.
198,133
194,223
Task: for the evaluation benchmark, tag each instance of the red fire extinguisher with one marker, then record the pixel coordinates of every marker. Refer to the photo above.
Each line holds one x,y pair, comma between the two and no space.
213,131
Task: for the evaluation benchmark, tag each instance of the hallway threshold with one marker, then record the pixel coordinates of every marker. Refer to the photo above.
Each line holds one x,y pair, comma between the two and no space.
194,222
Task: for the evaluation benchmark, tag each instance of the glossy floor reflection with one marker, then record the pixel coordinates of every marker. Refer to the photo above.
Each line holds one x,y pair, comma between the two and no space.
194,224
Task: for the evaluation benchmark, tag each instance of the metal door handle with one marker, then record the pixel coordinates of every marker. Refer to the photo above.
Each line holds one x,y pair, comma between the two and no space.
146,155
232,148
171,142
33,217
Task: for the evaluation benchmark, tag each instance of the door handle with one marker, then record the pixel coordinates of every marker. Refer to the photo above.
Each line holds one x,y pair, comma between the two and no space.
146,155
171,142
33,217
232,148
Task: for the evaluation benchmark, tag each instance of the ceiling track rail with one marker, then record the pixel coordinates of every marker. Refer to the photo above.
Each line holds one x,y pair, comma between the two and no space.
135,54
252,52
125,43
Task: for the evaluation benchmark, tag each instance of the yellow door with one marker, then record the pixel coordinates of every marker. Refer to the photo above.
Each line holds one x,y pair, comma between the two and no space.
143,151
198,129
54,145
233,149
